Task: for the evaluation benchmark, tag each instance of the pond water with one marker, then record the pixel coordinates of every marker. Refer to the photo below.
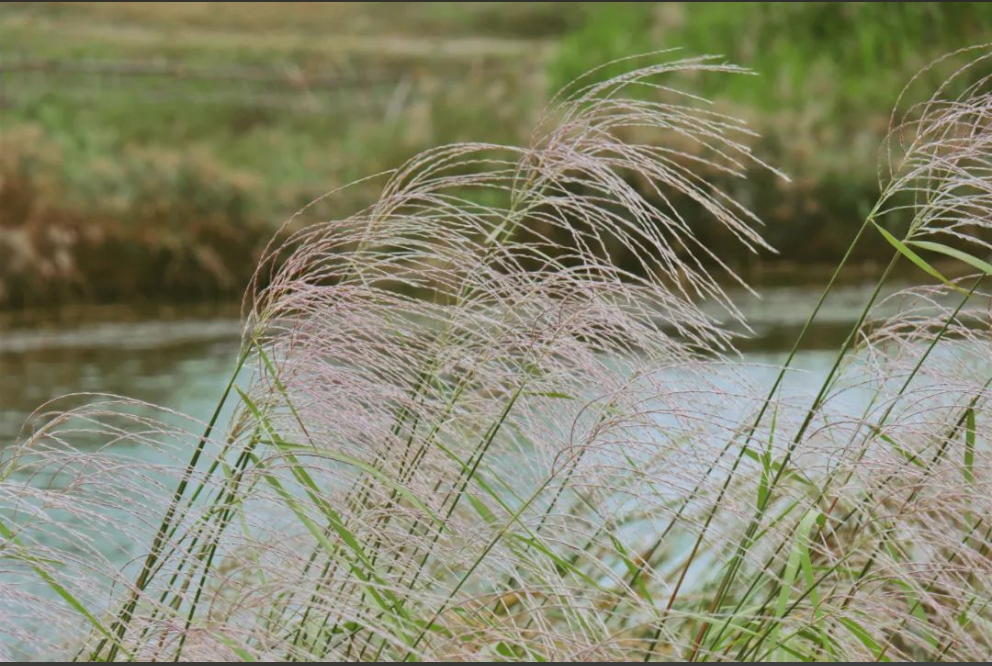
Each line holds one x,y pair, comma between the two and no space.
181,357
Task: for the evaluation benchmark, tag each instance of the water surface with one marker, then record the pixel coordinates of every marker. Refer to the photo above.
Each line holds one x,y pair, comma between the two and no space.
181,357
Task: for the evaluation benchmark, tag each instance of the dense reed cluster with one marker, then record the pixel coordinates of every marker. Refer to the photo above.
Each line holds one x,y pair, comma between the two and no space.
452,434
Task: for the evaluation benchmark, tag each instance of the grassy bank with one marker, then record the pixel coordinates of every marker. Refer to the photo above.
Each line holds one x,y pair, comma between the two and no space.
828,75
150,150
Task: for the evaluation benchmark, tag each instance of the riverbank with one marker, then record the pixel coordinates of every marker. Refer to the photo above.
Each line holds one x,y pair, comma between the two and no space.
149,152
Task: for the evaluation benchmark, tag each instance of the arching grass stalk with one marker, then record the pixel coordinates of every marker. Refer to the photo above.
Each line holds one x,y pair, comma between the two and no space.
746,649
120,625
717,503
901,250
824,490
423,383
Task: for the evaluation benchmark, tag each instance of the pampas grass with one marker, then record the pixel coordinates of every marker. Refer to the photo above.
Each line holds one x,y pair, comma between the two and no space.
496,416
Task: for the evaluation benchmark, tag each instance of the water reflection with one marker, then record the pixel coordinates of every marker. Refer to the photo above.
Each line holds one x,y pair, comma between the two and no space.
181,357
176,358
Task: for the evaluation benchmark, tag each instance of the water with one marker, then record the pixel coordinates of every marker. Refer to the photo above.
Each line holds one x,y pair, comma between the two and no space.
181,357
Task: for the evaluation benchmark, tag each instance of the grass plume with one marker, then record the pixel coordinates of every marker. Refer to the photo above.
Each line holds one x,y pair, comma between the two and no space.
459,429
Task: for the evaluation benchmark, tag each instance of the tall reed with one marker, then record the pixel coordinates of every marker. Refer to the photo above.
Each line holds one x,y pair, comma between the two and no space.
498,414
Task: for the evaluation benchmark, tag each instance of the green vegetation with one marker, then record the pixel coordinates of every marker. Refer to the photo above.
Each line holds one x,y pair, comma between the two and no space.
828,75
551,453
186,134
183,136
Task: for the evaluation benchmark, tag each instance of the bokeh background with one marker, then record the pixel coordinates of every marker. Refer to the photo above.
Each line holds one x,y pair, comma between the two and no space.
149,150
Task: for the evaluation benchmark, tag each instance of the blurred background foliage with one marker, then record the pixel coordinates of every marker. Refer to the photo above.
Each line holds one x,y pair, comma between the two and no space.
149,150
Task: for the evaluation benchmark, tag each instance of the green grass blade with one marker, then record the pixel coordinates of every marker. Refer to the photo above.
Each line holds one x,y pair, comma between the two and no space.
60,590
366,572
940,248
920,262
863,637
969,446
377,474
911,458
